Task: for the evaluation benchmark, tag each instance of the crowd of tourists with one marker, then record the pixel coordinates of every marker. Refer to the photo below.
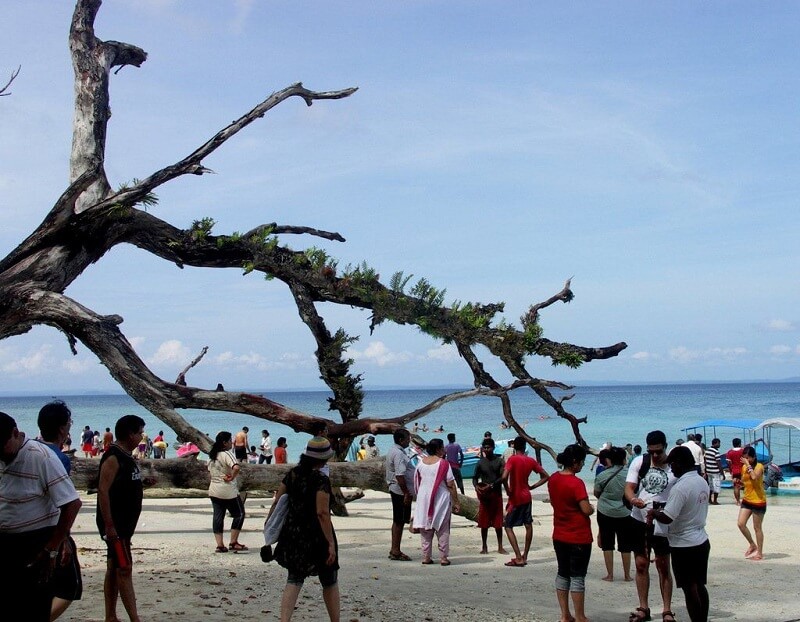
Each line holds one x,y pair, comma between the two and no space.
649,504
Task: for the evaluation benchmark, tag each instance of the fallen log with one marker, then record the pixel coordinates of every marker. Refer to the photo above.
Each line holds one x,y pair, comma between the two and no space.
190,473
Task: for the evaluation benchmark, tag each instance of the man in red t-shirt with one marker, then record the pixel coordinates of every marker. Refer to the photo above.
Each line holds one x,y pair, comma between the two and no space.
518,512
734,458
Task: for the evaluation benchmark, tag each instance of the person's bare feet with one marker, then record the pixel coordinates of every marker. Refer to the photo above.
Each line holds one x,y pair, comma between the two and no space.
608,577
484,552
501,550
629,578
750,550
756,558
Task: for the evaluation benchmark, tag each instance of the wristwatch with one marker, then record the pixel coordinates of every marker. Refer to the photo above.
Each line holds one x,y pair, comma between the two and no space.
51,554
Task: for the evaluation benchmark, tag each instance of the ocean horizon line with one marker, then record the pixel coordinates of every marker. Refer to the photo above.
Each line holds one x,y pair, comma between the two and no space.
445,388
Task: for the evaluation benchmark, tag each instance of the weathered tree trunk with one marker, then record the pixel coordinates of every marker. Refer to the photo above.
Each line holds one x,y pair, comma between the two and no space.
193,474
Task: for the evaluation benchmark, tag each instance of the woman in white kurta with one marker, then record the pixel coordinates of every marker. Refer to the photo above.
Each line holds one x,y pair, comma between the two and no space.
436,499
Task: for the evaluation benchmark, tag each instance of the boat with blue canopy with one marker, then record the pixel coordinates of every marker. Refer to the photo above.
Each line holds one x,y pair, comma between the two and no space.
766,436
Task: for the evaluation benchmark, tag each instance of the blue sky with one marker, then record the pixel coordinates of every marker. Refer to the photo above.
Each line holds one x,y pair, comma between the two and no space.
648,150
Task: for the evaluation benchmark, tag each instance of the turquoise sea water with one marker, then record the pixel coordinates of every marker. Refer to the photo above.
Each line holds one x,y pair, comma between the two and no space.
621,414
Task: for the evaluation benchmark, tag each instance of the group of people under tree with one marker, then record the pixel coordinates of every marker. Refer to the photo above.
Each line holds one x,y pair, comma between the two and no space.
655,504
649,504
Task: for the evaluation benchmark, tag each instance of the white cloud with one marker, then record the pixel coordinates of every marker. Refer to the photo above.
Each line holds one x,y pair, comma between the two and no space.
683,354
779,350
253,360
446,353
378,353
780,326
171,352
36,362
76,366
644,356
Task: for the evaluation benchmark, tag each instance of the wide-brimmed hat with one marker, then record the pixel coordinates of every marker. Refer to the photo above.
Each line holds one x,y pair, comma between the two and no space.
319,447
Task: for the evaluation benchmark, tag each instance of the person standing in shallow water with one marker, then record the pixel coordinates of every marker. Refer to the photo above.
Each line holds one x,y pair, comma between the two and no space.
280,451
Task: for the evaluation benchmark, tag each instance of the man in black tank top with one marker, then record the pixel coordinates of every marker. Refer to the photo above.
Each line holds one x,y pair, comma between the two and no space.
119,504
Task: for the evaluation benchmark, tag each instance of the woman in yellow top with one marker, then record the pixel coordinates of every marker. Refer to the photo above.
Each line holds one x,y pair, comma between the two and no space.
754,503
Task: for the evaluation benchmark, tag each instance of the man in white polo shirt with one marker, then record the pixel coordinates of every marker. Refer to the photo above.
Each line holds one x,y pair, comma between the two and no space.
38,504
685,514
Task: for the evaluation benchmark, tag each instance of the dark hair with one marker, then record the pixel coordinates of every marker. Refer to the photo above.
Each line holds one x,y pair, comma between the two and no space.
127,426
572,455
281,441
434,446
656,437
737,442
451,437
603,456
715,440
698,438
7,425
681,456
245,428
618,456
519,444
637,450
317,428
488,442
219,441
749,452
487,434
161,432
265,432
53,416
400,434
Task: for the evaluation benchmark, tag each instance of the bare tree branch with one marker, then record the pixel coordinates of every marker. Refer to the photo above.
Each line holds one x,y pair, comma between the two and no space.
181,379
88,220
191,164
13,77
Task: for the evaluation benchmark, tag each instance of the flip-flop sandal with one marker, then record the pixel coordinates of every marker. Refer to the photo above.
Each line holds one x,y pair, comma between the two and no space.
640,614
513,563
400,557
445,562
221,549
427,562
667,614
235,547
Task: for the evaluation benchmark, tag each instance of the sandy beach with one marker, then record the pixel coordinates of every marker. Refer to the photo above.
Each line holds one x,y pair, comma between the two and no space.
177,572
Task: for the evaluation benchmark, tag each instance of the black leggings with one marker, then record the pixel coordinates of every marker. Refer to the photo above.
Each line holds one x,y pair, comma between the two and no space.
236,508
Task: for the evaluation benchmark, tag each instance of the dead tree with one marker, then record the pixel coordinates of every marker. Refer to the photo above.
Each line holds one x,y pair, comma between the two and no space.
90,218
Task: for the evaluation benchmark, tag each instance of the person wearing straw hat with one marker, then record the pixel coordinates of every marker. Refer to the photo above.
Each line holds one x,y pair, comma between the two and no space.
307,544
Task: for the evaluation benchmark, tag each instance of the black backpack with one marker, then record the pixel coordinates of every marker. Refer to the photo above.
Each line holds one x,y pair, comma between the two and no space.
643,469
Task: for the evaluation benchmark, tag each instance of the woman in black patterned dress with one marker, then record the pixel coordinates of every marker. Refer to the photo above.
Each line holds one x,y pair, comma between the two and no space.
307,543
